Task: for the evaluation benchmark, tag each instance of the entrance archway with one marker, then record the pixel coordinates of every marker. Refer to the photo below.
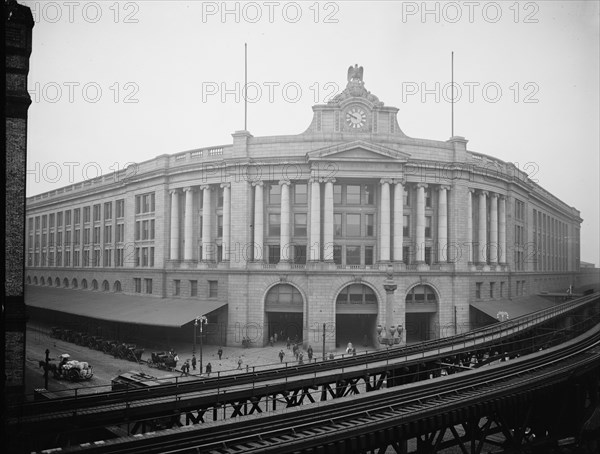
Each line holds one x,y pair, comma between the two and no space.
356,316
421,314
284,307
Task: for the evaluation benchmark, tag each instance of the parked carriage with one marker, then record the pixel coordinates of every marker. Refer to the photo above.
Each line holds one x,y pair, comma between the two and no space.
129,352
95,342
163,360
69,369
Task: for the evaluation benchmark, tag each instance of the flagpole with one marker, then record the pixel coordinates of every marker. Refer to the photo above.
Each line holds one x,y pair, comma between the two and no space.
452,86
245,86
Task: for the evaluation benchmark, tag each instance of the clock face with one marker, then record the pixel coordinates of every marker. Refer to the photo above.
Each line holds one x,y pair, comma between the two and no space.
356,118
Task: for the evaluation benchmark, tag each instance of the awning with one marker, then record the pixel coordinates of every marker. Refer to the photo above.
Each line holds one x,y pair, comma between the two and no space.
514,308
172,312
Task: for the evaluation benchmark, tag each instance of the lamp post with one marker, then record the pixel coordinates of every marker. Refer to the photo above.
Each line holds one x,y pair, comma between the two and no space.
202,319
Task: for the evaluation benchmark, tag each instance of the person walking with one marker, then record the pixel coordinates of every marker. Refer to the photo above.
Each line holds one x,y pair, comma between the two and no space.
220,353
288,343
240,363
194,362
300,358
281,355
208,369
310,353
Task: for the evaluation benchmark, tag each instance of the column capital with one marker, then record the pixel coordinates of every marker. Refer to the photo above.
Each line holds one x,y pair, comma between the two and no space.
314,180
494,195
503,197
285,183
225,185
482,192
400,181
328,180
385,181
443,187
189,189
174,191
205,186
471,190
258,183
422,185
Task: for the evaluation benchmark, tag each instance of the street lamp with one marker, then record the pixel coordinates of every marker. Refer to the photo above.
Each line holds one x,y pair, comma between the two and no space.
202,319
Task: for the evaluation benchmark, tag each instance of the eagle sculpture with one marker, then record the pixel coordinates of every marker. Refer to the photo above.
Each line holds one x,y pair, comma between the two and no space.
355,73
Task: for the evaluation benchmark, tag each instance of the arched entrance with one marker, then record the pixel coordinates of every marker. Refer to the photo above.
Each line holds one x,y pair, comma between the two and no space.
284,306
355,316
421,314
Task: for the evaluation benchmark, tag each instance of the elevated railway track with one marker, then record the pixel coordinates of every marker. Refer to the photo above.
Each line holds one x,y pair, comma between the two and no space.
188,403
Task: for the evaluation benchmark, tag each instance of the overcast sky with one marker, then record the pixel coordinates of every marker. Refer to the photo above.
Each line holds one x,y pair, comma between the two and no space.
118,82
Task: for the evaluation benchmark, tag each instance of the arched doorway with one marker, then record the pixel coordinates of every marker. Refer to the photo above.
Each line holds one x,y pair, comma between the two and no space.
356,316
284,307
421,314
117,286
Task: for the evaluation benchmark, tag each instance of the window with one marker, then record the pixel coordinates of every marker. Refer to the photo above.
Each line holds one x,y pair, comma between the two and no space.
369,256
356,294
492,289
59,219
77,215
176,287
144,203
44,221
352,255
68,217
337,254
406,196
274,253
68,238
428,197
76,256
337,224
58,258
96,257
220,192
300,194
369,194
86,236
519,210
137,285
120,208
107,211
352,194
107,257
51,239
300,254
501,289
86,258
145,230
137,230
97,213
151,258
119,257
96,235
148,285
59,239
337,194
213,289
37,223
194,288
51,221
108,233
67,258
219,227
406,225
120,233
370,224
274,224
300,224
144,256
478,290
274,194
86,214
427,226
352,224
428,256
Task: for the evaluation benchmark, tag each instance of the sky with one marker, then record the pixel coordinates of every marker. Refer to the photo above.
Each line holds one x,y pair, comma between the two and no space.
120,82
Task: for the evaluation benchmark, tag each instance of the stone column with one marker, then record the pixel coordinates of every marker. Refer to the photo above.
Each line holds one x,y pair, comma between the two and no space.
258,221
226,220
443,224
328,221
470,226
384,209
502,230
315,220
494,228
398,219
390,288
188,226
420,234
174,224
482,245
285,246
207,246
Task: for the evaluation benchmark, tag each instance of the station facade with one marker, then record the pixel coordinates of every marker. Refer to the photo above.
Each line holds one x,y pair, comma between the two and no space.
352,229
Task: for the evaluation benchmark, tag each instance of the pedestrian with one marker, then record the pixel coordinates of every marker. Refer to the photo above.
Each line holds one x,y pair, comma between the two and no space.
275,337
185,369
310,353
194,362
288,343
247,367
331,356
300,358
353,351
296,351
281,355
220,352
271,341
240,363
208,369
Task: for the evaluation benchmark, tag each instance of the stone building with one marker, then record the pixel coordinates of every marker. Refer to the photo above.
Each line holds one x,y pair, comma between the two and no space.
350,226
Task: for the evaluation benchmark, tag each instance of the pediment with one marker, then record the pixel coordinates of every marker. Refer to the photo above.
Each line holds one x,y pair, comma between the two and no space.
357,150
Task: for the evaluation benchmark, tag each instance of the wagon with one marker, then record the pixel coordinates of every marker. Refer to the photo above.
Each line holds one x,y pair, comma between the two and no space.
163,360
72,370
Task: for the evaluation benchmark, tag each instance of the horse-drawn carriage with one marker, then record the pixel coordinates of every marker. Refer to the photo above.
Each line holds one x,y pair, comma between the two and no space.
129,352
69,369
163,360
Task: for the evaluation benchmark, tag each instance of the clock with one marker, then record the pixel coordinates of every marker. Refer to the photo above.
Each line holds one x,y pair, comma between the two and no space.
356,118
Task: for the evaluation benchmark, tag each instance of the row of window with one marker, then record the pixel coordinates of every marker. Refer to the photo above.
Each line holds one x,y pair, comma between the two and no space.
551,239
213,288
52,219
74,283
90,236
495,291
